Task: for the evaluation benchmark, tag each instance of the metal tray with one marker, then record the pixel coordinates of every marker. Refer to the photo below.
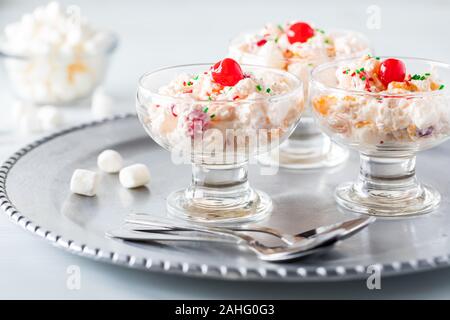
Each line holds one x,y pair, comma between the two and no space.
34,192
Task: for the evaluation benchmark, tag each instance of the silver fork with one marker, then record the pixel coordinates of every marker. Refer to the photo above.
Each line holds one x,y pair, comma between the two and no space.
263,252
144,222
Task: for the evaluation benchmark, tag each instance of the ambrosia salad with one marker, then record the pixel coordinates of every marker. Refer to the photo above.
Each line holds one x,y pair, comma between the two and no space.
382,103
295,46
224,102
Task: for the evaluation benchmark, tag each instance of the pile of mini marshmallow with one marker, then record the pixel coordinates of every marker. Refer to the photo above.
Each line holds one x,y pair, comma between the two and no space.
85,182
54,40
50,29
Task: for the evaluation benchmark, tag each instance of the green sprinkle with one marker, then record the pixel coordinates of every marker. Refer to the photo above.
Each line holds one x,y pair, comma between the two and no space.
357,71
321,31
213,115
196,77
268,90
280,27
363,78
362,69
441,87
420,77
209,98
258,87
189,83
378,58
205,110
276,40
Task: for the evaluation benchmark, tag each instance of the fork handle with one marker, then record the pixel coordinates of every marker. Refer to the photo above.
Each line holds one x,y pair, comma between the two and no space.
135,218
128,235
144,218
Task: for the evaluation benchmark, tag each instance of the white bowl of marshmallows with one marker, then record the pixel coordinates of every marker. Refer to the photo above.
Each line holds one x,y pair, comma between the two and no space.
54,55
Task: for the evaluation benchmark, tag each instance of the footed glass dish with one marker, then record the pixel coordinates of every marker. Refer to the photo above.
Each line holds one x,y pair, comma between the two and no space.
411,114
307,148
218,135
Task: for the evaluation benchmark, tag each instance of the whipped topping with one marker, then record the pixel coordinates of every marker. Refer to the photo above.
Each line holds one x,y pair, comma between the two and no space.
194,104
64,56
388,114
203,87
271,46
364,75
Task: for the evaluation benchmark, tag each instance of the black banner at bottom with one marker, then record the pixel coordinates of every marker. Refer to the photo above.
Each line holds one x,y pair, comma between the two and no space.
222,309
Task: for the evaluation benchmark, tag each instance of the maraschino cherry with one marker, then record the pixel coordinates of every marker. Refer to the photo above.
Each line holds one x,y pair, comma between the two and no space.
261,42
392,70
300,32
227,72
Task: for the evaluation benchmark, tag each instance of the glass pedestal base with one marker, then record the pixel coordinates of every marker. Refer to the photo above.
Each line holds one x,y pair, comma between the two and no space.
254,208
304,159
384,203
387,187
219,195
307,148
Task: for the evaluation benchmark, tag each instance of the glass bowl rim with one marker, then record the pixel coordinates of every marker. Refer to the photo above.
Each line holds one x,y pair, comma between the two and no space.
108,51
314,81
367,50
298,85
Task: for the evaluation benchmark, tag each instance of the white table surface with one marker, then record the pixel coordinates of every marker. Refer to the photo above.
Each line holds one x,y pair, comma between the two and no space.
155,34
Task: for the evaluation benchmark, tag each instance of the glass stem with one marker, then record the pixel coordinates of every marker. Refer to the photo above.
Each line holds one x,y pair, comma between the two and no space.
211,183
378,174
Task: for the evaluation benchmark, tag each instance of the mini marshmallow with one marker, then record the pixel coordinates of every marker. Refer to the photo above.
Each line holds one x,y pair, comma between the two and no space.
20,108
134,176
53,9
110,161
102,104
271,55
84,182
50,118
28,124
98,43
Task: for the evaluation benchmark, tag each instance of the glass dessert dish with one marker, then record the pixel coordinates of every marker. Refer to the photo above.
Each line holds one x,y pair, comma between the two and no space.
297,48
52,56
216,119
387,109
